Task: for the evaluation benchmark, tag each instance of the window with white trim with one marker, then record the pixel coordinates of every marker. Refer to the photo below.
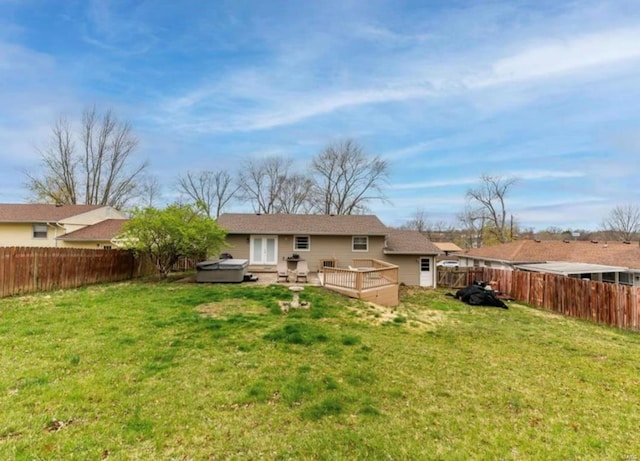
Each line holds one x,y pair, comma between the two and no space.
301,243
360,243
625,278
39,231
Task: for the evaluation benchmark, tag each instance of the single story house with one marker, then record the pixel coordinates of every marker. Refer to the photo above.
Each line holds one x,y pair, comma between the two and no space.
328,240
614,262
63,226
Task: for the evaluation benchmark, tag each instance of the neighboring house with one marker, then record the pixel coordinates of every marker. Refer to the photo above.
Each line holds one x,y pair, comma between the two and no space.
448,248
99,235
328,240
615,262
63,226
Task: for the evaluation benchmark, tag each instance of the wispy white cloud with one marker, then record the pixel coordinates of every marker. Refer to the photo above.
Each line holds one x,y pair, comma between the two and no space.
572,213
117,31
545,175
270,104
565,55
449,182
526,175
17,61
290,108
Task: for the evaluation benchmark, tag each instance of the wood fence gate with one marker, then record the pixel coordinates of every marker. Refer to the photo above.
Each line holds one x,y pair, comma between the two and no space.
458,277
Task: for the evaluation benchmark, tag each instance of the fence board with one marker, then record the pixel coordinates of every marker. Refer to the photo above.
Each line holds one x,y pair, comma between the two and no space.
29,269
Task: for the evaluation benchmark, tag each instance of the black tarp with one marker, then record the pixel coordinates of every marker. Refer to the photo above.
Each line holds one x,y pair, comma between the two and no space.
477,295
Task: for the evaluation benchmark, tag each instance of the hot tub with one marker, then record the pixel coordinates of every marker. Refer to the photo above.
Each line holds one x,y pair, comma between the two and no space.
222,270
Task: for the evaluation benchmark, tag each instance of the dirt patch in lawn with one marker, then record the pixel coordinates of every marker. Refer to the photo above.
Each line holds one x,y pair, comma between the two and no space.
231,307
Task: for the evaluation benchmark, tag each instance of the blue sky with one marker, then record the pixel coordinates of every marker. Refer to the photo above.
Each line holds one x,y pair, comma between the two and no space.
547,91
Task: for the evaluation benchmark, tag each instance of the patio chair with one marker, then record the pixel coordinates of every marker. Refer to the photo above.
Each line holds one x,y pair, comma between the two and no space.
302,271
283,271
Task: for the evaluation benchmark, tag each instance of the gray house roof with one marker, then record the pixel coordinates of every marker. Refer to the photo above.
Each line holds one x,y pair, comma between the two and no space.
409,242
38,212
290,224
104,230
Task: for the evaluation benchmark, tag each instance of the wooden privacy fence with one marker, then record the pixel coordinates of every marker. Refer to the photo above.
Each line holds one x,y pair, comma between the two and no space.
28,270
458,277
600,302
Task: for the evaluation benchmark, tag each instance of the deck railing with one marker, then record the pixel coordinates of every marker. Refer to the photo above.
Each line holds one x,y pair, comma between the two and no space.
362,277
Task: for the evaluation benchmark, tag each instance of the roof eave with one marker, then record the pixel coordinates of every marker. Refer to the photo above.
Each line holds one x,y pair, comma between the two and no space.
505,261
400,252
303,232
93,239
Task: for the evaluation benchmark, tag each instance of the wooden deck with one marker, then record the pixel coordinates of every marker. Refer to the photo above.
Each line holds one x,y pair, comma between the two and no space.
367,279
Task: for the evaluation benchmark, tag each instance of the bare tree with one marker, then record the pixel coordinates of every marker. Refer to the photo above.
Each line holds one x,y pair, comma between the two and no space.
100,174
623,222
439,231
261,182
473,223
490,197
210,190
417,222
150,191
59,182
435,231
346,179
294,195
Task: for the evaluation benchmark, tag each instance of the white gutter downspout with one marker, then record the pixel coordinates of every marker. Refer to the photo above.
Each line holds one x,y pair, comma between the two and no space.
55,226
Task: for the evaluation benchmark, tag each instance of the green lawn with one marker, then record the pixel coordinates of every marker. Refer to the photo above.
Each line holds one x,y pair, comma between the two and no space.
185,371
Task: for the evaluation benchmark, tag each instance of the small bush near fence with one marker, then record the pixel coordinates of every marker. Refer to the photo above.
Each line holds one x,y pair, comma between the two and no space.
28,270
600,302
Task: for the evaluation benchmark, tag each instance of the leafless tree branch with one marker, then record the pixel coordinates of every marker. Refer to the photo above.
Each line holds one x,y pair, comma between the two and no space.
346,179
99,175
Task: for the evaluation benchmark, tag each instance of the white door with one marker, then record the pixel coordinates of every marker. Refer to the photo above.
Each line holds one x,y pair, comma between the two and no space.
426,272
264,249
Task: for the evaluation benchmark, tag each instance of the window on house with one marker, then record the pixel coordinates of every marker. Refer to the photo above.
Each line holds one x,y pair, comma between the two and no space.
301,243
106,247
625,278
39,231
425,264
360,243
609,277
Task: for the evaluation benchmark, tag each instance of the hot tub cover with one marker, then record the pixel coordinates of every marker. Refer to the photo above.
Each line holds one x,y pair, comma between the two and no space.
222,264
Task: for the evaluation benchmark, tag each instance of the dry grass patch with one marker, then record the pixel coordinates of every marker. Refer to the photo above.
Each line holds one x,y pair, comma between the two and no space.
231,307
413,316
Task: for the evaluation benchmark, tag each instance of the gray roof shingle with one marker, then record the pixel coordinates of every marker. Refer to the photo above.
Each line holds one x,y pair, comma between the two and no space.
38,212
104,230
409,242
289,224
